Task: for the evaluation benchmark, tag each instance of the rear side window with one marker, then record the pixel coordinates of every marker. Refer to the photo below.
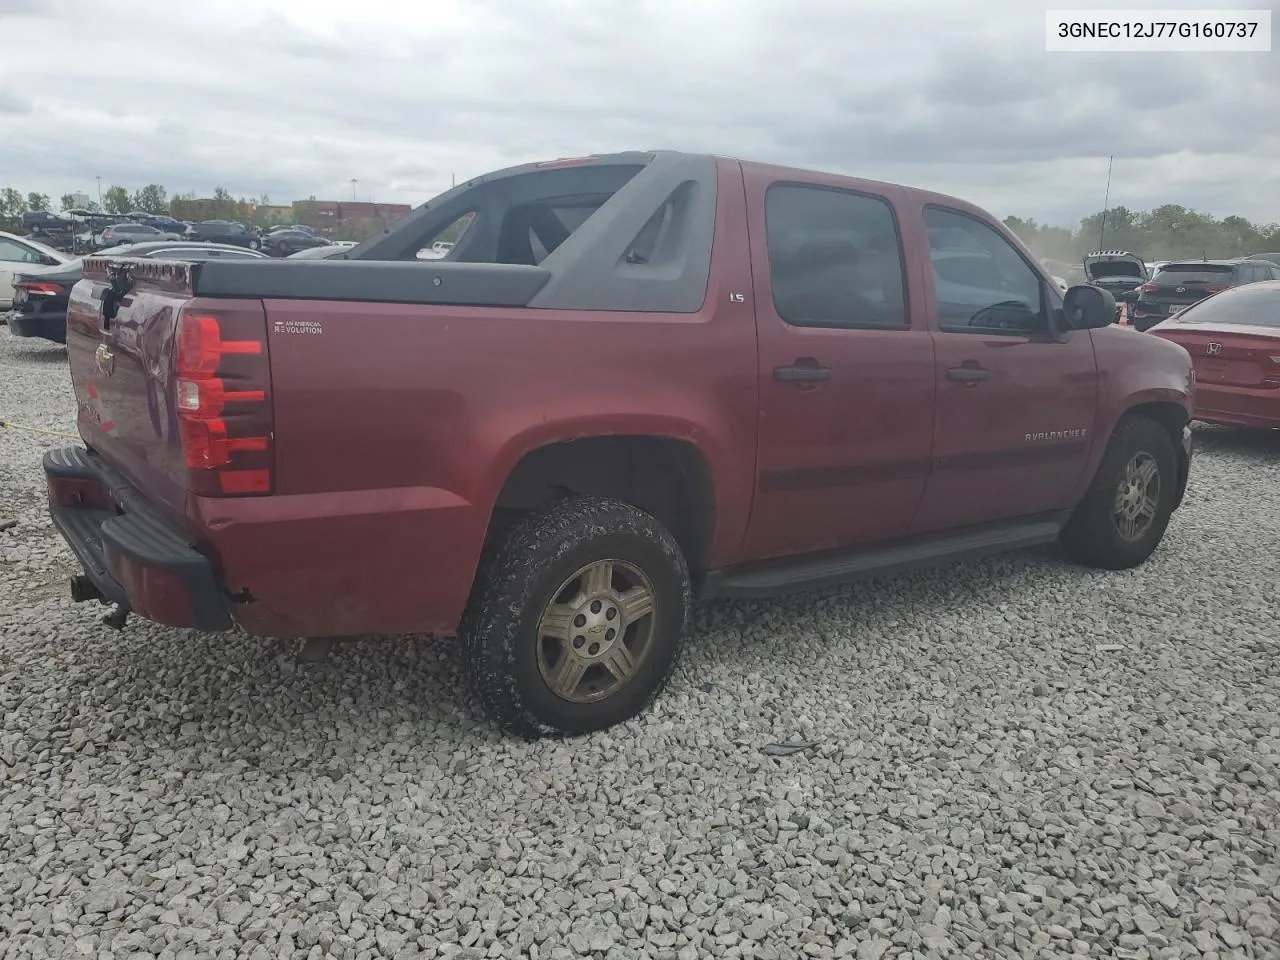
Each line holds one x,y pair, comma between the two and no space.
834,258
1247,306
1179,273
981,282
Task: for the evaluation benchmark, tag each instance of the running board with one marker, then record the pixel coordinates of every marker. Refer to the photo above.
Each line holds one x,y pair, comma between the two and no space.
807,573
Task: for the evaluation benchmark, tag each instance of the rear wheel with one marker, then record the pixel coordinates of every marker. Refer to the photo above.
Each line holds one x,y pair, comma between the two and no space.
255,244
1125,512
577,618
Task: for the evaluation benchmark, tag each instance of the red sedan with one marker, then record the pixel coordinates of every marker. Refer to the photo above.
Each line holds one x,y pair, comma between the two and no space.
1234,341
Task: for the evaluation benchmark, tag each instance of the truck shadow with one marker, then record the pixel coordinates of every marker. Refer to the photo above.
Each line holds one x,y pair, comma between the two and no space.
234,706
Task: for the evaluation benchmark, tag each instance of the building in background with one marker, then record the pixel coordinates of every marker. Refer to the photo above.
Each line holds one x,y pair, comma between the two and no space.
348,219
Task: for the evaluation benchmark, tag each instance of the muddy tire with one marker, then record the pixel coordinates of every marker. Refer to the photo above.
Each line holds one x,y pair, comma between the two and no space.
1126,510
577,618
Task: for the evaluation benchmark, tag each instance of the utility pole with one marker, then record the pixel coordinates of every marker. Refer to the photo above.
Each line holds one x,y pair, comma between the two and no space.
354,181
453,180
99,179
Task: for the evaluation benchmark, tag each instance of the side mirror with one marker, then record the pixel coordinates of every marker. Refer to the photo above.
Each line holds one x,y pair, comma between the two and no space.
1088,308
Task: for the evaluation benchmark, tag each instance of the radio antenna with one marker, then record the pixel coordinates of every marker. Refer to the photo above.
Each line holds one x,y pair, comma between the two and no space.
1106,201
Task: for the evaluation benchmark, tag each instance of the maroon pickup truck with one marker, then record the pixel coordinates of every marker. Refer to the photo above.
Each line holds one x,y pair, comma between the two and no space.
634,380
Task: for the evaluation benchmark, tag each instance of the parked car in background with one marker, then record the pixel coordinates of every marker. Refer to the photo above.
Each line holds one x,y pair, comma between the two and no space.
282,243
714,344
1118,272
21,255
1180,283
320,253
1234,341
40,299
166,224
261,238
1272,258
221,231
120,233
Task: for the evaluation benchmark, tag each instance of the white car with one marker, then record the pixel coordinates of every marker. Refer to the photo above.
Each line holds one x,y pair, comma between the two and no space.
23,255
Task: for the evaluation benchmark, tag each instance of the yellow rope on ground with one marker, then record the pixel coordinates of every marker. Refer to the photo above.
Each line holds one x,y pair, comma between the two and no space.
48,433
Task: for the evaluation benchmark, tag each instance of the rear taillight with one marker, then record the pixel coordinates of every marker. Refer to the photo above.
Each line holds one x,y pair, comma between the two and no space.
1148,288
41,288
1216,287
222,379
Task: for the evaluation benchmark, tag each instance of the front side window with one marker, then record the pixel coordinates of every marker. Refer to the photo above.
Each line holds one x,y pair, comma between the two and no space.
834,258
981,282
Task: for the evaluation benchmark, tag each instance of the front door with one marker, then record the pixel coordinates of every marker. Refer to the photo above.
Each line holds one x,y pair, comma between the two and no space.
1015,408
846,372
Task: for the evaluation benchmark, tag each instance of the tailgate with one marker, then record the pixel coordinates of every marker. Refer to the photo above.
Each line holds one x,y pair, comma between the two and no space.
121,320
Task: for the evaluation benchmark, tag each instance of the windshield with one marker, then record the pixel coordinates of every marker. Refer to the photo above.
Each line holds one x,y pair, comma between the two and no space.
1194,273
1251,306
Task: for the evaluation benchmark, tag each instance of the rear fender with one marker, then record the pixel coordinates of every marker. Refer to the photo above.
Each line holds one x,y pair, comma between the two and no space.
732,484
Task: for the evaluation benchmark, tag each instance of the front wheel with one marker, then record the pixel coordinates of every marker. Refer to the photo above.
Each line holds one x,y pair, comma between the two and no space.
255,244
1125,512
577,618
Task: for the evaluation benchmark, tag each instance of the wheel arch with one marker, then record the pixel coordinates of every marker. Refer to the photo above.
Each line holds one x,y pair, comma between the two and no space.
671,477
1174,418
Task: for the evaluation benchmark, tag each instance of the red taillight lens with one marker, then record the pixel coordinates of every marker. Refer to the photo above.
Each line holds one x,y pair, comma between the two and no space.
222,407
1216,287
41,288
1148,288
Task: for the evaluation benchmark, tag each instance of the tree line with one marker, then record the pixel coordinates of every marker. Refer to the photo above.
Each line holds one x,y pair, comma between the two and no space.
1169,232
152,198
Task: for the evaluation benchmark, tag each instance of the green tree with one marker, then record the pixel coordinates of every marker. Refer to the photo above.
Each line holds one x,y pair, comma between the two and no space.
67,202
12,206
224,206
152,198
117,200
38,201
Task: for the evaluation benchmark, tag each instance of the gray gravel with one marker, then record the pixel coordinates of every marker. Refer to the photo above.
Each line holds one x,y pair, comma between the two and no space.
1015,758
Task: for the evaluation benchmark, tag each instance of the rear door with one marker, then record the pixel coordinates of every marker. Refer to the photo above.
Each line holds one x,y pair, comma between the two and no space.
1015,408
846,367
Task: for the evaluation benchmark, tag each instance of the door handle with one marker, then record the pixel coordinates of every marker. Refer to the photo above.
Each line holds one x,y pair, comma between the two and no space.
800,372
968,374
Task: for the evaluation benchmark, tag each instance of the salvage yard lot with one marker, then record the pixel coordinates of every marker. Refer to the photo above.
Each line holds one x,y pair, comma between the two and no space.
1016,757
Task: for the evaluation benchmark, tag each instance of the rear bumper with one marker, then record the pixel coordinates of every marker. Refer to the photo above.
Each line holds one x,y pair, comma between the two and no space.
1237,406
49,327
132,554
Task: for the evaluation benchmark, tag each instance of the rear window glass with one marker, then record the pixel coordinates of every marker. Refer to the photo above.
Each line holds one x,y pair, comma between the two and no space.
1245,306
1194,273
1115,268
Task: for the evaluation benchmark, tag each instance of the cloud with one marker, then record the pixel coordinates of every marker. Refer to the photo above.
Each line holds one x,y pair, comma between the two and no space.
298,97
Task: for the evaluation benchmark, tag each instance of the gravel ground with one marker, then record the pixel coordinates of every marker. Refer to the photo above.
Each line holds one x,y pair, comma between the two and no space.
1015,758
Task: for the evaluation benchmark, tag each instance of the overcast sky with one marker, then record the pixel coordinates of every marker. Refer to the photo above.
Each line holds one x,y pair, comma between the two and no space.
297,97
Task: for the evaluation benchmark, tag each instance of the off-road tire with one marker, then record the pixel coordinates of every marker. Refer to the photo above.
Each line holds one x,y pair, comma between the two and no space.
516,581
1092,537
